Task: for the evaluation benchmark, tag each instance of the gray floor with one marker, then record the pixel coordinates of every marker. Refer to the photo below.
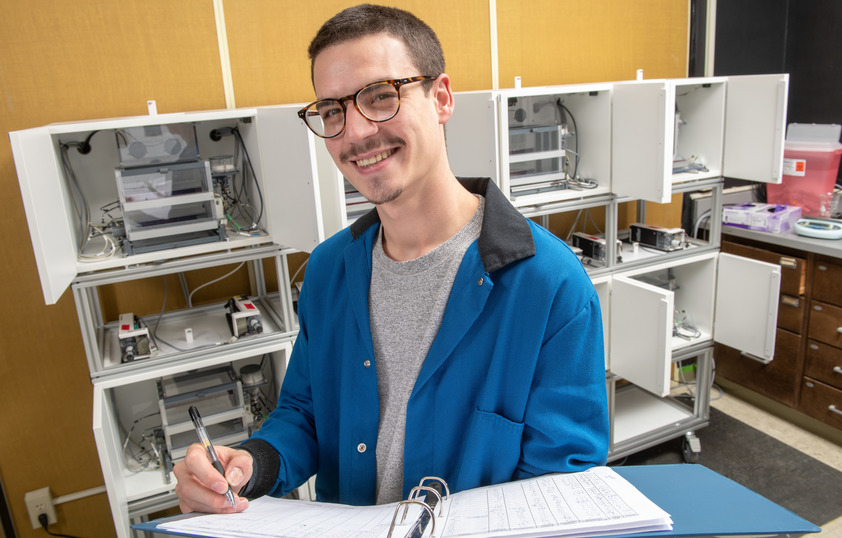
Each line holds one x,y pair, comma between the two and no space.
818,447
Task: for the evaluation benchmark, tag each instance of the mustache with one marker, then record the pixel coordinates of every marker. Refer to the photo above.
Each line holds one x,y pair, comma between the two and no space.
369,145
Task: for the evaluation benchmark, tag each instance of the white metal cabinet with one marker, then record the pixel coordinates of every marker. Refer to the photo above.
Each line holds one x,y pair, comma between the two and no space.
120,402
514,137
281,151
724,297
733,126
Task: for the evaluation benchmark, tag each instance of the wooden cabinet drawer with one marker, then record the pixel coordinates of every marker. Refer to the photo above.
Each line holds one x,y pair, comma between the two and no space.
778,379
827,282
826,323
821,402
793,269
824,363
791,313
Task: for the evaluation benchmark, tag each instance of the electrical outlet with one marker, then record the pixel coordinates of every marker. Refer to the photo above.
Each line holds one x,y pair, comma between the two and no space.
40,502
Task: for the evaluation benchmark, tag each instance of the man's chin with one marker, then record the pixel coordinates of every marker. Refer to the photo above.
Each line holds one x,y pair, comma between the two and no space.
379,199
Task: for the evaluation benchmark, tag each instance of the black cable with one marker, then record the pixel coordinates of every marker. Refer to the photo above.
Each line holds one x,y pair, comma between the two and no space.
42,519
81,206
253,174
575,134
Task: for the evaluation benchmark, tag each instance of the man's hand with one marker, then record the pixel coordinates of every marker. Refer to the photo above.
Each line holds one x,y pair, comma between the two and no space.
200,487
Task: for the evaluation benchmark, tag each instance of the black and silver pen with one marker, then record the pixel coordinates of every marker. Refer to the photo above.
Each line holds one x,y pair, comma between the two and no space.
203,437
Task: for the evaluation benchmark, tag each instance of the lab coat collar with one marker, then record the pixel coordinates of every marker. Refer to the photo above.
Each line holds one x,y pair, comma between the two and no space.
505,236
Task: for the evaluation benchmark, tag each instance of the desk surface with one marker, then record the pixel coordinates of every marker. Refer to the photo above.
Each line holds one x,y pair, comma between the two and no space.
703,502
790,239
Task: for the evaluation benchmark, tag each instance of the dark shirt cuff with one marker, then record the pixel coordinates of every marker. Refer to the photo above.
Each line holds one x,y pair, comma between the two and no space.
265,467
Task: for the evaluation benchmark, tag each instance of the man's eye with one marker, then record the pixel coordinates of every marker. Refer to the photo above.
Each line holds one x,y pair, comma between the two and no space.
330,112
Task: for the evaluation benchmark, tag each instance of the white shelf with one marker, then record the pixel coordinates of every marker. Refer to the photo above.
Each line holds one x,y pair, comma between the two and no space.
637,413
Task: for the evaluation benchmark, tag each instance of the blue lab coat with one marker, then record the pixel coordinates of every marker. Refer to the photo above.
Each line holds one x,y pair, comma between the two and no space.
513,385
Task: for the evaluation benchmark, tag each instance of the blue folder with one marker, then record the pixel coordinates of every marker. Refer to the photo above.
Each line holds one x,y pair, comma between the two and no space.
705,503
700,501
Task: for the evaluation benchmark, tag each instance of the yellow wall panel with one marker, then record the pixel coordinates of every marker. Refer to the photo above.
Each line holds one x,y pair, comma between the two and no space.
267,43
574,41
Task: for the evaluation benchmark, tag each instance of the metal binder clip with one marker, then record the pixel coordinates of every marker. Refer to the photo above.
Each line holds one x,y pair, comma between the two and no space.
403,518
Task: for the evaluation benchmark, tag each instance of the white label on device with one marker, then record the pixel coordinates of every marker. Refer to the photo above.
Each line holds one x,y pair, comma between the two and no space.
795,167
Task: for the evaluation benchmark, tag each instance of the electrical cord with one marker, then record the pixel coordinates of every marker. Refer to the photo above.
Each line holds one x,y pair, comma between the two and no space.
80,203
575,135
253,174
42,519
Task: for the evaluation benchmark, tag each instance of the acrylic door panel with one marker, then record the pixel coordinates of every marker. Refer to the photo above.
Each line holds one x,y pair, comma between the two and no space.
755,129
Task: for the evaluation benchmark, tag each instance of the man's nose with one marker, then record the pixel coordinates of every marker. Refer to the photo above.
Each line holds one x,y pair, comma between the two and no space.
357,126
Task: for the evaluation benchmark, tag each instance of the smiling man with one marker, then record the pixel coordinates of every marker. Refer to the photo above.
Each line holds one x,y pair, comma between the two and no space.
442,333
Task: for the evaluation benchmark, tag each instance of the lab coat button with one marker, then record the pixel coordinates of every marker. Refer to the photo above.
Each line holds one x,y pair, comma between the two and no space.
361,448
367,363
481,280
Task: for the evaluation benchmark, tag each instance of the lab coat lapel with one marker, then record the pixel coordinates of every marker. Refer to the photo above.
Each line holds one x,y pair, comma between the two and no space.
468,296
359,279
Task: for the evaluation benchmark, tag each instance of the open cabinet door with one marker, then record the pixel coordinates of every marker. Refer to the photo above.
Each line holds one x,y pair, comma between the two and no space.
755,127
747,295
50,219
642,137
290,173
641,331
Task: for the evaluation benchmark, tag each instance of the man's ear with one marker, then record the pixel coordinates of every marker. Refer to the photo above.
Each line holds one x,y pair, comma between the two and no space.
444,100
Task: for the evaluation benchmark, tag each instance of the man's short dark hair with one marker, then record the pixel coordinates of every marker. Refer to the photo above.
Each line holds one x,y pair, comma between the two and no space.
366,19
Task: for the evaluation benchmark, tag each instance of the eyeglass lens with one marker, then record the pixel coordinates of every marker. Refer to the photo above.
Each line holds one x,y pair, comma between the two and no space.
377,102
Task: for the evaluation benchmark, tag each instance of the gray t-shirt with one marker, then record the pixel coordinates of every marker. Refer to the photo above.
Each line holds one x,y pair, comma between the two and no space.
407,302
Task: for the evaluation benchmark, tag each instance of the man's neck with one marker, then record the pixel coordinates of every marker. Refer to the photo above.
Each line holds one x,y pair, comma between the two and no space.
415,225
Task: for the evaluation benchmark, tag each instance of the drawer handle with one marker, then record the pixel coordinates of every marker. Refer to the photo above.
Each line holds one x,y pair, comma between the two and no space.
789,263
822,267
789,301
817,308
839,330
833,409
837,369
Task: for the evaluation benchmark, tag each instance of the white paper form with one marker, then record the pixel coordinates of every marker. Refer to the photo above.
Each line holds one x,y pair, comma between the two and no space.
554,505
268,517
593,502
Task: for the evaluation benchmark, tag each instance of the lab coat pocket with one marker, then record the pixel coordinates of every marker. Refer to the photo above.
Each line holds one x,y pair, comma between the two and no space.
492,450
